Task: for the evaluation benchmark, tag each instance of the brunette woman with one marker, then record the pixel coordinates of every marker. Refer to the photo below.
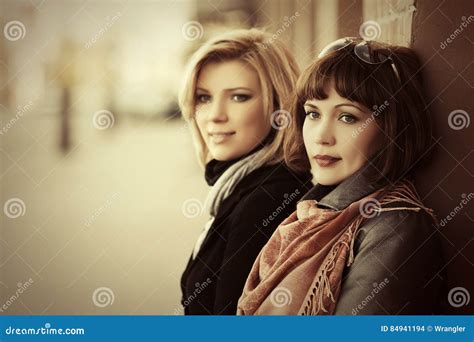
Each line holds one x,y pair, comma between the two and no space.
361,241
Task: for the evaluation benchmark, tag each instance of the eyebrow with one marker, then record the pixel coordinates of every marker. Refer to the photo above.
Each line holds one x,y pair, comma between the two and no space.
227,89
308,104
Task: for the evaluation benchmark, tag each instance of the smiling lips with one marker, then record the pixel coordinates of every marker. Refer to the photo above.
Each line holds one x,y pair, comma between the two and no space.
220,137
324,160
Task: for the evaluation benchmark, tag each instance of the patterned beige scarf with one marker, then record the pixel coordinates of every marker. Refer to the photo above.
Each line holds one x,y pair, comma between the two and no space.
299,271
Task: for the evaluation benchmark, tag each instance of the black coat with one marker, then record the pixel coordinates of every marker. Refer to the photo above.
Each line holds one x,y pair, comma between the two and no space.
213,282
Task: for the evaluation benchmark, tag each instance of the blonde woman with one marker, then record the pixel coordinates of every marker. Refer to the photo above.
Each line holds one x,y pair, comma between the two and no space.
234,97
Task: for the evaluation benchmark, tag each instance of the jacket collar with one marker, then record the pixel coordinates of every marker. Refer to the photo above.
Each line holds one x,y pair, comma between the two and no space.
352,189
215,168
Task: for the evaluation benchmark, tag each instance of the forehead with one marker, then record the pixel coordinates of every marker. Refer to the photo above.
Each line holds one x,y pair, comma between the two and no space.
228,74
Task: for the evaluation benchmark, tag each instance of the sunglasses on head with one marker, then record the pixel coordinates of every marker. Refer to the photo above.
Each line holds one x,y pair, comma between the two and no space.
364,50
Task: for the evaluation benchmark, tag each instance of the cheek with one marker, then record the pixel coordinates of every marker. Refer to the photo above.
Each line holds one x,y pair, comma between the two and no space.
366,144
200,118
306,133
252,119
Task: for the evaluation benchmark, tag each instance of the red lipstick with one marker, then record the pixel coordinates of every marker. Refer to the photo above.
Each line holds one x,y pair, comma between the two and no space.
325,160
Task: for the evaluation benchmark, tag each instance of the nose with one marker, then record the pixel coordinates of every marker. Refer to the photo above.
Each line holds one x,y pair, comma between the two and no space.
217,110
323,133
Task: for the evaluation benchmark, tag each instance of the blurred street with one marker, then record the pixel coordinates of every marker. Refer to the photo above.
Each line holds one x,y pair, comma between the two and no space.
100,189
104,215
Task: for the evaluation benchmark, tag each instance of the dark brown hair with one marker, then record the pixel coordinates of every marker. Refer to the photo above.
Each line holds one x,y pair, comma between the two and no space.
405,120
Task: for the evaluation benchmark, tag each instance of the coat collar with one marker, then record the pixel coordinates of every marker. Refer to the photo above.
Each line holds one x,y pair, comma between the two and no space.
352,189
215,168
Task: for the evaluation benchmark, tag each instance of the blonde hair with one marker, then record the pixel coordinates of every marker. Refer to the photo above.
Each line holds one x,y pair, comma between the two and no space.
277,71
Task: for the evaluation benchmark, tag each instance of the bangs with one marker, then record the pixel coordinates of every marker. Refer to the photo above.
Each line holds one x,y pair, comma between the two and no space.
353,79
396,101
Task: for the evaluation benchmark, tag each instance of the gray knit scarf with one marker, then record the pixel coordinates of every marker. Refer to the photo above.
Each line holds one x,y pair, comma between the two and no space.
224,186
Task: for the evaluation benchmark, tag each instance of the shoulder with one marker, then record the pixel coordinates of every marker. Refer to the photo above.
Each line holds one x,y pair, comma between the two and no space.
276,180
397,229
402,248
271,191
410,220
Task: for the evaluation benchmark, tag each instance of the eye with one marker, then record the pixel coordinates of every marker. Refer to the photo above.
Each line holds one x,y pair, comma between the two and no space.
348,118
240,97
312,115
203,98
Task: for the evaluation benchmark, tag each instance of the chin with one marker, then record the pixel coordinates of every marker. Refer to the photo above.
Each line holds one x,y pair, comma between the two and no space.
221,155
325,180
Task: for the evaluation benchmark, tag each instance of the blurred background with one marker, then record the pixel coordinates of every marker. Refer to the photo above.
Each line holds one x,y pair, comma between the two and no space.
100,189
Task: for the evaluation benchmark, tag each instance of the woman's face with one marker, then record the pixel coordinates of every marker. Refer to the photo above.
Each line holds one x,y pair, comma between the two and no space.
229,109
339,136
